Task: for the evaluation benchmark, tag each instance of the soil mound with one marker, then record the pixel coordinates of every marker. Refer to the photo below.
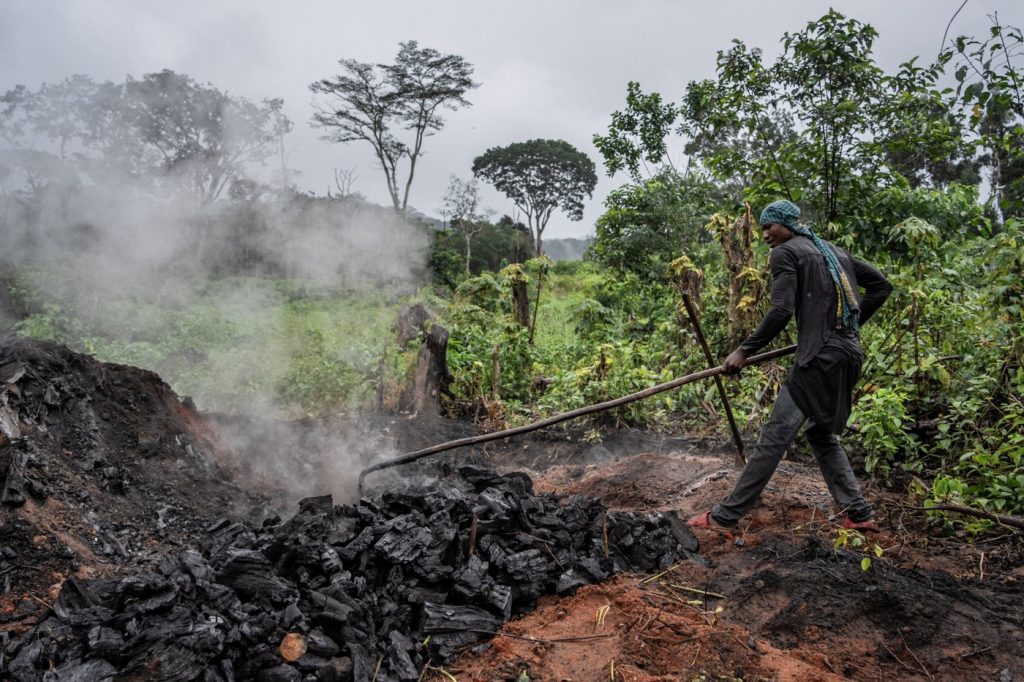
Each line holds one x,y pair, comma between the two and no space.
101,466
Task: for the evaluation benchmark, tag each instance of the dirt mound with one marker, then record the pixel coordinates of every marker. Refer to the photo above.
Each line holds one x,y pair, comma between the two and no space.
101,465
778,601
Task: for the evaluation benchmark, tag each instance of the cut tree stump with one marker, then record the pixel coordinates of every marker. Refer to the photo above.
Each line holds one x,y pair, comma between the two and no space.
431,377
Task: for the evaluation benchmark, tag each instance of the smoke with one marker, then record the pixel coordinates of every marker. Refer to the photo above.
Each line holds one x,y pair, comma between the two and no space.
259,303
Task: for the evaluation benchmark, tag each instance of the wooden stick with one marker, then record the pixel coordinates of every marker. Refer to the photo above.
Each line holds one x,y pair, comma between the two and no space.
741,460
566,416
472,538
655,577
696,591
539,640
1003,519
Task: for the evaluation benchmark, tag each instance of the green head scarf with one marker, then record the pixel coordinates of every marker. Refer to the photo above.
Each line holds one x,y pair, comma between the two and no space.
782,212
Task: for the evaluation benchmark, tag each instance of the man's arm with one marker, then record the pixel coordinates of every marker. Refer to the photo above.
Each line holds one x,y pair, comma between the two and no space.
876,288
783,265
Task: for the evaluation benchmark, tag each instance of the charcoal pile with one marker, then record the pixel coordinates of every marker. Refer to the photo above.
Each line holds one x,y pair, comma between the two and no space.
100,464
348,592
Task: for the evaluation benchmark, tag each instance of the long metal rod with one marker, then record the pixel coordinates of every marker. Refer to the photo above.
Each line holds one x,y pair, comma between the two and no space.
736,438
566,416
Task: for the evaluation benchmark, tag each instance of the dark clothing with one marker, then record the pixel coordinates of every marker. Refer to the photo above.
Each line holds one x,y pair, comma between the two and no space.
823,388
828,360
776,435
801,285
820,385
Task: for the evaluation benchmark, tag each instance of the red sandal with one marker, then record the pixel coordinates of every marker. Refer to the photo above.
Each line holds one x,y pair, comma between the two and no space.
706,522
867,525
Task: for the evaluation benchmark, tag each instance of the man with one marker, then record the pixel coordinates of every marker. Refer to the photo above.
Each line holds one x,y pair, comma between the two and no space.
818,282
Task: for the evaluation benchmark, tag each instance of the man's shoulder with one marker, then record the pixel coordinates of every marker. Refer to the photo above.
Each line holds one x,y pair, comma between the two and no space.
795,248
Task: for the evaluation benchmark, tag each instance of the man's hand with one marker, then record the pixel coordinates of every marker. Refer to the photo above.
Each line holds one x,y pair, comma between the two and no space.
736,361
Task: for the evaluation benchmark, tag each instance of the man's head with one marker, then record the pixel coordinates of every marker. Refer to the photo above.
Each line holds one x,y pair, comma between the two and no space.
779,221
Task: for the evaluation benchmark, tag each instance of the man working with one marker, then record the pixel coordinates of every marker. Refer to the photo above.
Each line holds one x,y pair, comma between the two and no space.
818,282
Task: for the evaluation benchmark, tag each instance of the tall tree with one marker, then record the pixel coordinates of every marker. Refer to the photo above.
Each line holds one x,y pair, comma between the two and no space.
990,77
540,176
370,103
202,136
462,206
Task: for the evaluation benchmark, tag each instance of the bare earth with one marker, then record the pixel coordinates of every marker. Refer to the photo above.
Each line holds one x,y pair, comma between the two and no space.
777,602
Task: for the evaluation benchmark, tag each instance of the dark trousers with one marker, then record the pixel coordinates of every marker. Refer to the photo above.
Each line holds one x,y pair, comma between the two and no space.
782,427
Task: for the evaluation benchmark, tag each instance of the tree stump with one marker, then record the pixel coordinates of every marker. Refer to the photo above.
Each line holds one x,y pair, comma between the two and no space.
431,377
412,319
521,303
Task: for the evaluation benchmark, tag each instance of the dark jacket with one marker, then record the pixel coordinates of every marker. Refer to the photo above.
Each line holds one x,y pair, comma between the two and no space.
802,285
828,360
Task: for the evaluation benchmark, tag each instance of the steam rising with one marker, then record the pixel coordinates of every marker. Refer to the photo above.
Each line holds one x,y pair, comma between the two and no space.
110,234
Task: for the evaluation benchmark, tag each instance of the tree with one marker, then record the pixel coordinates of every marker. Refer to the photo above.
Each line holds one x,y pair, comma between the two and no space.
369,103
202,137
540,176
163,127
23,168
826,86
991,88
648,225
462,206
495,245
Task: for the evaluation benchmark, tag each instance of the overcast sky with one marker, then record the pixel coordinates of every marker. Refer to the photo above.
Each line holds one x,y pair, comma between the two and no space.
547,68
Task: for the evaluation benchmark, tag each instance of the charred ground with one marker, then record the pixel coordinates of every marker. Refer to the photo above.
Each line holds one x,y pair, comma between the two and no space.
136,538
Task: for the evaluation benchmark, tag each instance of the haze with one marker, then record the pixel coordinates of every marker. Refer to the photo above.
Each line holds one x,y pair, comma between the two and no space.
552,70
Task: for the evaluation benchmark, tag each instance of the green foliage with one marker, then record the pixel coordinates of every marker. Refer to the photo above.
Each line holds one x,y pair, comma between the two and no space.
274,345
539,176
444,260
647,226
989,76
638,134
847,539
955,212
321,380
823,125
483,292
611,371
881,418
494,245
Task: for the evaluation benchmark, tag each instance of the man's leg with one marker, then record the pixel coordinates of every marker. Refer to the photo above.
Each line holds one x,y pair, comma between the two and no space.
839,477
776,435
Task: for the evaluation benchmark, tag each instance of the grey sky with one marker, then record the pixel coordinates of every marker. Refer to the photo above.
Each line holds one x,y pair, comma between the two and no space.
551,68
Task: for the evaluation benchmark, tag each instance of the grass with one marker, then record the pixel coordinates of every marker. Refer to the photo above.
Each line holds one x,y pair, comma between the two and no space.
233,344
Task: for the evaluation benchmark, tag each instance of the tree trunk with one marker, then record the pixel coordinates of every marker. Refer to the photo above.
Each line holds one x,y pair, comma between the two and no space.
521,303
431,378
